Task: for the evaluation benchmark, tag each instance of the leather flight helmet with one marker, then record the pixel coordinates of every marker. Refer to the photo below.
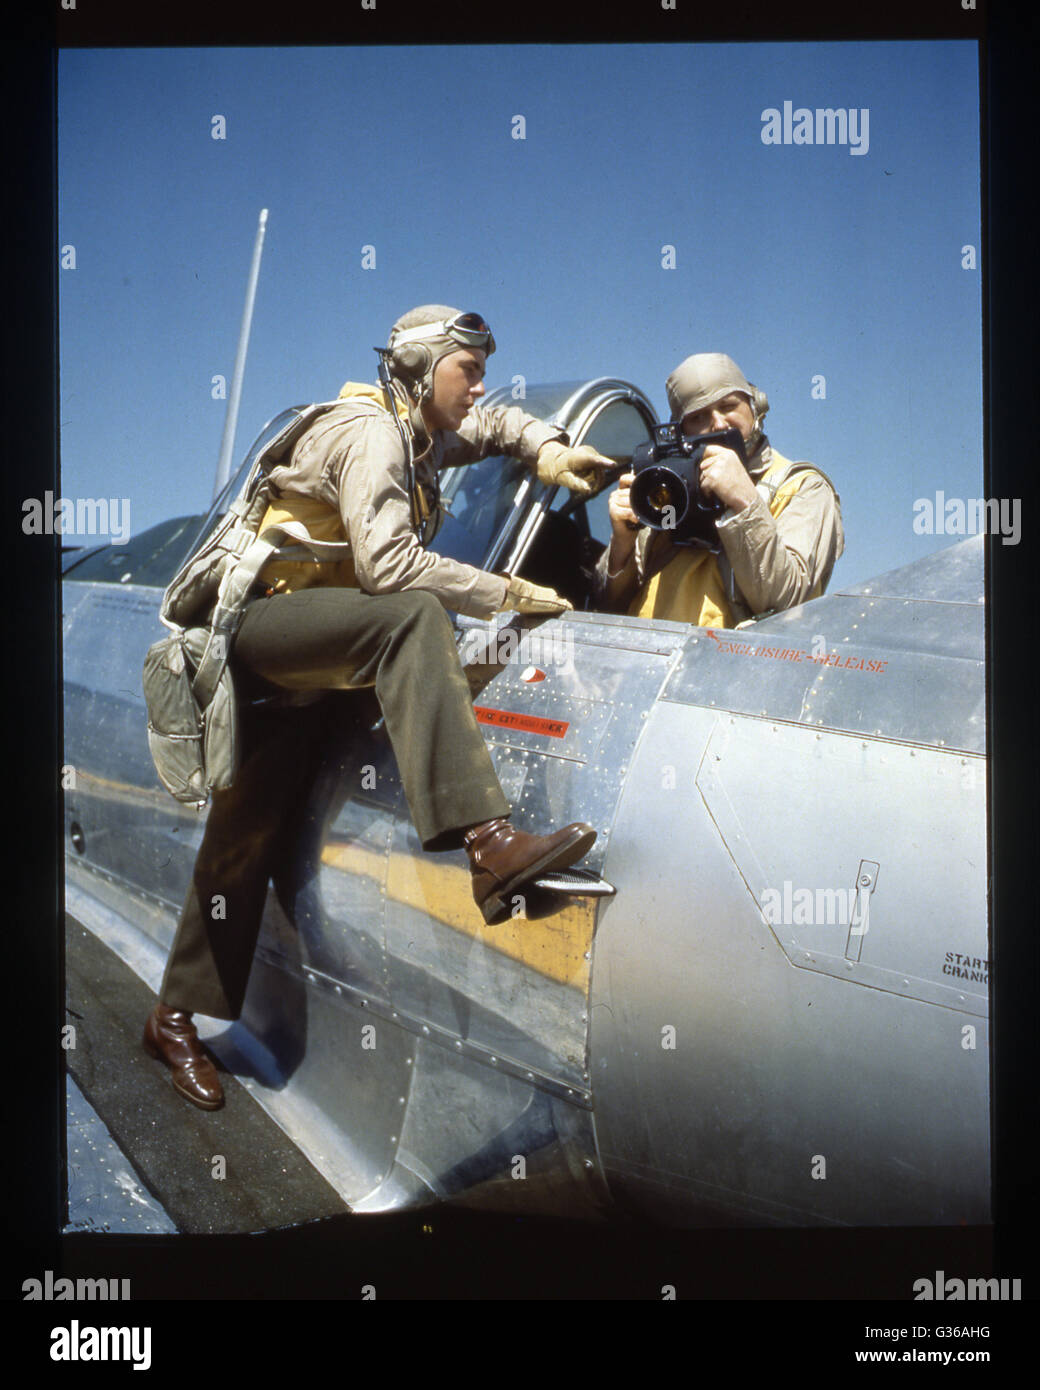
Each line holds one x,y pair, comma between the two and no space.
420,338
706,377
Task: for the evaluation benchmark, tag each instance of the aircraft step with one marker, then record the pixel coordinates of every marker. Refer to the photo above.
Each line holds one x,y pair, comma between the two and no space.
578,882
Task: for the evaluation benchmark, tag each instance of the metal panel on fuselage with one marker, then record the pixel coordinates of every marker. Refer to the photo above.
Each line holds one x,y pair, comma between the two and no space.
797,752
127,824
753,1060
561,720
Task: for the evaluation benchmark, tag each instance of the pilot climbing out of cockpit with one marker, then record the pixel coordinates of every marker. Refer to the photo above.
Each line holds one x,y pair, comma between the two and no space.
364,474
775,530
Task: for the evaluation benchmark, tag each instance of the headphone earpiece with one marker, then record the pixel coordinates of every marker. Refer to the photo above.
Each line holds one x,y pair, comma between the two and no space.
759,401
411,359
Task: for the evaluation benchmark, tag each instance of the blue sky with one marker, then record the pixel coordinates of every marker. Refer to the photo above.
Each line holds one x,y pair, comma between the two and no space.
801,261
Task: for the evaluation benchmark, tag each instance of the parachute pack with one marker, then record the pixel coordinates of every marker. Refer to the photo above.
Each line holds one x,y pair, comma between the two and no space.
192,712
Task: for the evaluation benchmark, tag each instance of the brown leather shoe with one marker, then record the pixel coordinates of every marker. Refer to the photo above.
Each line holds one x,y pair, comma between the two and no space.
502,857
170,1036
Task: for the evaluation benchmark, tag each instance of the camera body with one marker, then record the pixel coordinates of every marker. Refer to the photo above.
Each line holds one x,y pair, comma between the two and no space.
666,490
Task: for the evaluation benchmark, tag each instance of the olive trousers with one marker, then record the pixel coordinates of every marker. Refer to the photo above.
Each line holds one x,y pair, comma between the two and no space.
323,639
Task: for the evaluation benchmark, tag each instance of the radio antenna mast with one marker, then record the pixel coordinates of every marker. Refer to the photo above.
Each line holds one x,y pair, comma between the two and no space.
227,443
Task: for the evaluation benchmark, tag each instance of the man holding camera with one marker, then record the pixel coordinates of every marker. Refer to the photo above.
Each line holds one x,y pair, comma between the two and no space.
774,541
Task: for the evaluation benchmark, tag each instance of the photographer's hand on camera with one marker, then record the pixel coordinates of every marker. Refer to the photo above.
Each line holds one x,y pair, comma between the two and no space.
624,527
619,507
722,475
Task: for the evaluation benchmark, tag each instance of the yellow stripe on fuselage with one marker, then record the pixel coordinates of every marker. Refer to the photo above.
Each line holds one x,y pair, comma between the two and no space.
555,947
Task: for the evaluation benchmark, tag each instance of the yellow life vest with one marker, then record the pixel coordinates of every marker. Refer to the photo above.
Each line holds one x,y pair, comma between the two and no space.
322,522
689,588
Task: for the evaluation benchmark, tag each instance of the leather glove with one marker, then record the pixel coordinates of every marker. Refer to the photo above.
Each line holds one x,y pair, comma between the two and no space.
581,469
525,597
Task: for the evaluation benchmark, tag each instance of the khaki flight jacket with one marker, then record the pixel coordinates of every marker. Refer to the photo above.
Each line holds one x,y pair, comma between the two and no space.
767,563
346,480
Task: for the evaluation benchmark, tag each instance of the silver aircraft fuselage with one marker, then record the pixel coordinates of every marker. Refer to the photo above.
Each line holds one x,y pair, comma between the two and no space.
779,1017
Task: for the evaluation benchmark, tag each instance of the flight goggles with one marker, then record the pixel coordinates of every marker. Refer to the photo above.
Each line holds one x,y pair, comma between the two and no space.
468,330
